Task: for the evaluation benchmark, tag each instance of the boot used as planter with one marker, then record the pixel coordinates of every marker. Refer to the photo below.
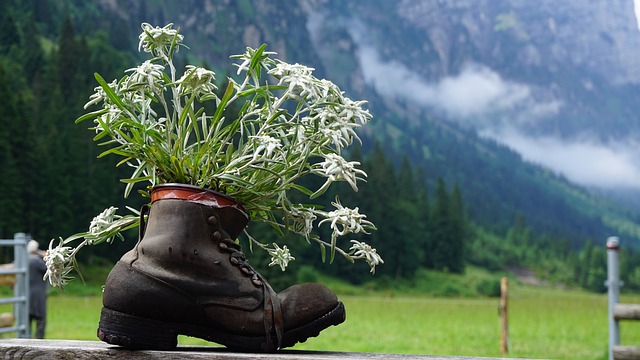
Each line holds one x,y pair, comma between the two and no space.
186,275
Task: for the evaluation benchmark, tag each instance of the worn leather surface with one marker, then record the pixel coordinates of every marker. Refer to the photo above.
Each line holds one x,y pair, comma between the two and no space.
181,271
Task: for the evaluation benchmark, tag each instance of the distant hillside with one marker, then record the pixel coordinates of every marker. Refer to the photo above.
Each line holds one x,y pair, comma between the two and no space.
450,81
374,49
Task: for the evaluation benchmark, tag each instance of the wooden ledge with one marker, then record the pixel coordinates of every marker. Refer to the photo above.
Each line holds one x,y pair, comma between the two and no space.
626,352
81,350
626,312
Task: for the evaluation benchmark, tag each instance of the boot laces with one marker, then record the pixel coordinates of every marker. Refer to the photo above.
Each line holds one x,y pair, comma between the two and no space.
273,320
238,259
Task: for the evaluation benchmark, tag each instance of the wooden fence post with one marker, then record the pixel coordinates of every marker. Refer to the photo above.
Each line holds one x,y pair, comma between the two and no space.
618,311
504,323
613,285
20,271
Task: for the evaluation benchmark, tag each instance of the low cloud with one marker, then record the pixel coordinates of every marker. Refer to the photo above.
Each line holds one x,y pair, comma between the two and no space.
588,163
476,96
477,91
498,108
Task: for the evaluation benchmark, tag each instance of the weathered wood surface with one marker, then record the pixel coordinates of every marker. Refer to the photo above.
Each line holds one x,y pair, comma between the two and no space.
626,312
7,279
6,320
81,350
626,352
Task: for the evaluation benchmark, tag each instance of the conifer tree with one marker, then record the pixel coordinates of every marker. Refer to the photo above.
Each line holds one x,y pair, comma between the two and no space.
378,197
459,232
406,226
67,60
423,224
439,252
11,206
33,56
8,30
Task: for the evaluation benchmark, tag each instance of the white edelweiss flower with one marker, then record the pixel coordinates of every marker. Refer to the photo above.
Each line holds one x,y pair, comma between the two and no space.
352,111
329,92
280,257
335,137
244,66
363,250
103,221
157,40
96,97
197,80
303,219
100,95
336,168
338,121
266,145
283,69
345,220
299,80
59,264
147,73
106,118
323,117
339,134
247,58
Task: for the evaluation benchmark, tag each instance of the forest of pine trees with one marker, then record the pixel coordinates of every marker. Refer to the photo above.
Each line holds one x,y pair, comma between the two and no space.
53,184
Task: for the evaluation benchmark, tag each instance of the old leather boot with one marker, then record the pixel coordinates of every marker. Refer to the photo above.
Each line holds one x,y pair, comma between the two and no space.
187,276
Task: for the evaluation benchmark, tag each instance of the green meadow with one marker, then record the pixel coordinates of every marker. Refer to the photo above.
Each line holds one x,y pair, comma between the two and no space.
544,322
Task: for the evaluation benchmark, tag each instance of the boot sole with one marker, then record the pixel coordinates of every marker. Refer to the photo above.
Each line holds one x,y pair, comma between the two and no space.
130,331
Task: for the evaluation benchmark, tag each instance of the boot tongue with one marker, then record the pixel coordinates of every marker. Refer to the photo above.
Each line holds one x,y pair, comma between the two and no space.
234,220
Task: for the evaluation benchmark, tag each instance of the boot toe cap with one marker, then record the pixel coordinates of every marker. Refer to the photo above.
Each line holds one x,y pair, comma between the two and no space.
305,303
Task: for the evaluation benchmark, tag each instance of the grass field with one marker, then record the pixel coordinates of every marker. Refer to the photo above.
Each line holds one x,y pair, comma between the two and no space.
543,323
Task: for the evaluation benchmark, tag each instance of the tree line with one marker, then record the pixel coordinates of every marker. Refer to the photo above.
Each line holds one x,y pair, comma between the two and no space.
53,184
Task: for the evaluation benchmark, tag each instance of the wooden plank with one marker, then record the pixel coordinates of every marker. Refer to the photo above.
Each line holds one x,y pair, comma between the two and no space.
626,353
626,312
29,349
6,320
504,318
7,279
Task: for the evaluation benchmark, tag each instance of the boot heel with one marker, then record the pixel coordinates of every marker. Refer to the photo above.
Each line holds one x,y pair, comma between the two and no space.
130,331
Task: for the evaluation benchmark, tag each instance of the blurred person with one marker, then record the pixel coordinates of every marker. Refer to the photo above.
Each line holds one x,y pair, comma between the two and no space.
37,289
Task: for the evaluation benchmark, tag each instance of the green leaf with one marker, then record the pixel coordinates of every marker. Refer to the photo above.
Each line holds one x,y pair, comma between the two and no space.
260,90
236,179
123,161
110,93
136,180
186,109
116,150
257,57
302,189
173,44
348,257
91,115
333,251
223,103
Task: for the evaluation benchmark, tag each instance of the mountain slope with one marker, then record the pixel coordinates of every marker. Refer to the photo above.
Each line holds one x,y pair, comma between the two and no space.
556,82
412,61
499,69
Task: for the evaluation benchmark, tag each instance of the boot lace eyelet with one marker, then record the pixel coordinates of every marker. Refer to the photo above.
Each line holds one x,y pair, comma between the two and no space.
238,259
